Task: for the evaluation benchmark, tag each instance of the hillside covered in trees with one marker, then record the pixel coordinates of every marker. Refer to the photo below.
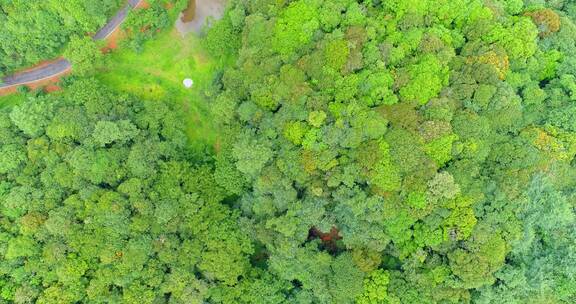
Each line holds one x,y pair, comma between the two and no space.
369,152
33,30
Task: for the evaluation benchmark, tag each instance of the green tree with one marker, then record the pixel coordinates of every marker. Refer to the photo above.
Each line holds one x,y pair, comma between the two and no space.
295,27
84,54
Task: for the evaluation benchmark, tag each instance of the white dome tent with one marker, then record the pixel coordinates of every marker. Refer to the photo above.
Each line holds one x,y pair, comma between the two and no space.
188,83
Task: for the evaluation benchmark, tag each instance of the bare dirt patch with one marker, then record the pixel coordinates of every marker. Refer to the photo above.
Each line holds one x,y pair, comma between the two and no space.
143,4
189,13
198,14
113,40
52,88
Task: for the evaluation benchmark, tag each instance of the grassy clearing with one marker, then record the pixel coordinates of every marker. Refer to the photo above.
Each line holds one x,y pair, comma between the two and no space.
10,100
157,74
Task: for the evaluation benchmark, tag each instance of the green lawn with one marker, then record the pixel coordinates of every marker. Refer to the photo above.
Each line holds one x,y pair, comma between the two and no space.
157,74
10,100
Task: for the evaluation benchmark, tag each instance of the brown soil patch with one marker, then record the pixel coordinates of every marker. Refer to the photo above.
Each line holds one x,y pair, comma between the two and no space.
52,88
144,28
198,14
143,4
113,40
190,11
7,91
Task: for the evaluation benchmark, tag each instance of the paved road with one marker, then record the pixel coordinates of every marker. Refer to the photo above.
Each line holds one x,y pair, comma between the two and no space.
53,69
62,65
115,22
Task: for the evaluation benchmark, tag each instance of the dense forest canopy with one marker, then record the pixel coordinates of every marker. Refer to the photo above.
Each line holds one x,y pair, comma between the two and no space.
370,152
102,203
436,137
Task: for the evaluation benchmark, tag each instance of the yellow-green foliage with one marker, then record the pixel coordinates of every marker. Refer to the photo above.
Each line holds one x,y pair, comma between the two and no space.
336,53
294,131
375,289
380,169
316,118
440,149
296,26
425,80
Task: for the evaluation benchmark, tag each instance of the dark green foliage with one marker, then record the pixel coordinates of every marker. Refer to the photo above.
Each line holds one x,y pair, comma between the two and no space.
84,54
541,267
142,24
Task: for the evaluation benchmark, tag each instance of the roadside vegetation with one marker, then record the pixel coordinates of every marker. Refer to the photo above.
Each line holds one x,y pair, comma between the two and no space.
330,151
33,31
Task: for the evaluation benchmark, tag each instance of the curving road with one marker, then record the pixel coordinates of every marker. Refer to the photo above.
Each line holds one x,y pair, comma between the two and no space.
115,21
61,66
